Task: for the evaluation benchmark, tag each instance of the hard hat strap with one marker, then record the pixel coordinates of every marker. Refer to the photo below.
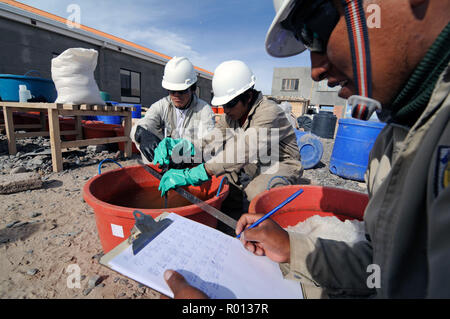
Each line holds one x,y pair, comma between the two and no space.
360,50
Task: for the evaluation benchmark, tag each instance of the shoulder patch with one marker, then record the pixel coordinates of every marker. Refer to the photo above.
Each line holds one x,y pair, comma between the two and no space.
442,179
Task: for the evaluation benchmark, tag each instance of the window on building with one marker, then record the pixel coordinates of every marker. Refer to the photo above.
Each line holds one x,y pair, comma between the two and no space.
322,86
289,85
130,86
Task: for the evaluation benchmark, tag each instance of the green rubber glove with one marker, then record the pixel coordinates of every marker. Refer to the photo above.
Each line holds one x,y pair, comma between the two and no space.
181,177
165,148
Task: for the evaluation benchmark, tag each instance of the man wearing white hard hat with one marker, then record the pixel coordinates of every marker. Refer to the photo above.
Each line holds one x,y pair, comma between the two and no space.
181,114
251,123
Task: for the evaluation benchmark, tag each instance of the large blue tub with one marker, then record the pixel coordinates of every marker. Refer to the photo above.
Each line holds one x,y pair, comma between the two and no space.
353,143
41,88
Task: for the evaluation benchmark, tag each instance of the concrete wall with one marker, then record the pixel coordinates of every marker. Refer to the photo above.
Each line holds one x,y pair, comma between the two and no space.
25,47
317,93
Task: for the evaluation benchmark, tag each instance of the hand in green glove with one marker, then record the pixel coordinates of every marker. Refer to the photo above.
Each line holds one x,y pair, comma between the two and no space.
165,149
181,177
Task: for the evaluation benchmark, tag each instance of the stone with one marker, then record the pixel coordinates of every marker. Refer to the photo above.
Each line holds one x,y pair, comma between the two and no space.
35,214
19,182
19,169
87,291
32,271
94,281
20,224
12,223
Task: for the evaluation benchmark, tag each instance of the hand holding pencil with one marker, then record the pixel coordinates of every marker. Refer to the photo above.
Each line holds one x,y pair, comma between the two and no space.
267,239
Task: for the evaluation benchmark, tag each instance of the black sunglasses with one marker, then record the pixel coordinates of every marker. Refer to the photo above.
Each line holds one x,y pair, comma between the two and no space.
232,103
312,23
179,92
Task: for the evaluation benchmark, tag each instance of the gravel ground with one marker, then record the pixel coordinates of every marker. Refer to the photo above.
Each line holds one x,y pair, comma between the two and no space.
44,231
320,174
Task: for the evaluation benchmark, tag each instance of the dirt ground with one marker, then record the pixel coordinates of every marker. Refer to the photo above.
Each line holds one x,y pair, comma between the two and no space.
45,231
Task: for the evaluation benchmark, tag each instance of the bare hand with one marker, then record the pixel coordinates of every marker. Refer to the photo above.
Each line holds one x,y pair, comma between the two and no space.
180,288
268,238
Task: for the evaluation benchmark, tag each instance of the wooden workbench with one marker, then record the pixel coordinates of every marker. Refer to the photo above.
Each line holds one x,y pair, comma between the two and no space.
54,111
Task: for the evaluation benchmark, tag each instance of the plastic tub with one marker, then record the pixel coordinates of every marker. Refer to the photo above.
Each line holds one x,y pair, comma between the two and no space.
324,124
315,200
311,149
353,143
114,196
98,129
39,87
110,119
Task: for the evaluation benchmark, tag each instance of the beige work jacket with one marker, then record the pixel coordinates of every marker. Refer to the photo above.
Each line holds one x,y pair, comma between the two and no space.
265,144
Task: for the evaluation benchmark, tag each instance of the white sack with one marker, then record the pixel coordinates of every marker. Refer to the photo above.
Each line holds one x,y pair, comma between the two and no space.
73,75
287,108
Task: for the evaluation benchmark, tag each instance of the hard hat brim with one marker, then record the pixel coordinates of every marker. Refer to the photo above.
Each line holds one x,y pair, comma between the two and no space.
175,86
219,101
279,41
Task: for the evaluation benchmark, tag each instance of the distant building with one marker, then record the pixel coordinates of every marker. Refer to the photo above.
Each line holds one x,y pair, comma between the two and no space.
130,73
295,84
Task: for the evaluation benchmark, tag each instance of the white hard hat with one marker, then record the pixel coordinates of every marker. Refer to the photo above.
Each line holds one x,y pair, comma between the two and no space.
279,41
179,74
230,79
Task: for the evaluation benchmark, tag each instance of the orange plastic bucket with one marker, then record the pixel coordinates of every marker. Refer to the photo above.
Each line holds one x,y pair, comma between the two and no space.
114,196
98,130
315,200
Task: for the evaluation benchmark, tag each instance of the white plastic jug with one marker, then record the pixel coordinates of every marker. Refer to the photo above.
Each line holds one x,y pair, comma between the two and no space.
24,94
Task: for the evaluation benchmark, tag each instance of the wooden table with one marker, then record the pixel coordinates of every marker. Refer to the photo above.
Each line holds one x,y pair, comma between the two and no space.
54,111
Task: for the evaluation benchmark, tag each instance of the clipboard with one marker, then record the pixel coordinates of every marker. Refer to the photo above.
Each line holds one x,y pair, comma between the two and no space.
145,230
210,260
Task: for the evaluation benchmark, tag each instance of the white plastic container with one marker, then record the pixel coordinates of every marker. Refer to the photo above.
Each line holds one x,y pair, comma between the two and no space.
24,94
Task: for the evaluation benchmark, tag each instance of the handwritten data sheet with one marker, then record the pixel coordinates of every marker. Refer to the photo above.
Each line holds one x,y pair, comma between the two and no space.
210,260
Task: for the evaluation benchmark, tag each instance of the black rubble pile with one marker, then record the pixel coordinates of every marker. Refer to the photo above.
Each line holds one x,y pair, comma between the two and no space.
34,155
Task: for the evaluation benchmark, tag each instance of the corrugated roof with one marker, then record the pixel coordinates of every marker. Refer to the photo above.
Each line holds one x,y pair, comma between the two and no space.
93,31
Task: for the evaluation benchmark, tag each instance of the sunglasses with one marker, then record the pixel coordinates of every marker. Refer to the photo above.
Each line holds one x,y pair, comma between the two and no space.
232,103
179,92
312,23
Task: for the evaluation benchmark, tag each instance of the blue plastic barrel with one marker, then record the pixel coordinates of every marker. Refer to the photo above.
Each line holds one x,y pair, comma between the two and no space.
137,114
311,149
39,87
110,119
353,143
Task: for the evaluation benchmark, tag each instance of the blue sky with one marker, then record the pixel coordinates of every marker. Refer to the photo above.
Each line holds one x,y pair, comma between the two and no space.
208,32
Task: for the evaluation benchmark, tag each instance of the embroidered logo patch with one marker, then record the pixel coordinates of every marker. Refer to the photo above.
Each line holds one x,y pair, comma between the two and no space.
443,168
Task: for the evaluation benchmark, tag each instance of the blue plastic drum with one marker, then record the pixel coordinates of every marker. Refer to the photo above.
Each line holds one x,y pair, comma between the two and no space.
353,143
311,149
